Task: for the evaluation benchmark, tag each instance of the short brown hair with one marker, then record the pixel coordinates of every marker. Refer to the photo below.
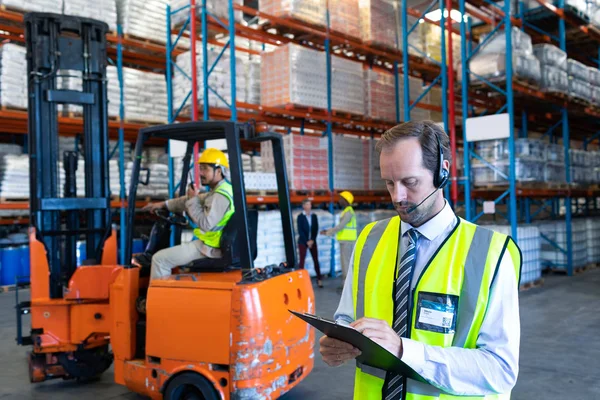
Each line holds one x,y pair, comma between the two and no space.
426,132
306,200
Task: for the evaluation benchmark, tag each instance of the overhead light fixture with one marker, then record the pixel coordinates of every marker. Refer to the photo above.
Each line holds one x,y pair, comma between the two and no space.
436,15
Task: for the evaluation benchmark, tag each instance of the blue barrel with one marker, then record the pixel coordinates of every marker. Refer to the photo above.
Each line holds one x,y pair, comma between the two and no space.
81,252
138,246
24,272
10,265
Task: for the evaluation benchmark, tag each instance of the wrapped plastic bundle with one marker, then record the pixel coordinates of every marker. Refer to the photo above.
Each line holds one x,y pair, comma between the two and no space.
554,80
349,150
594,76
521,42
13,80
378,22
69,80
498,149
253,79
555,153
143,18
293,74
555,173
432,40
492,65
580,89
347,85
144,95
526,171
34,5
530,149
344,17
578,70
380,100
311,11
102,10
415,87
549,54
218,8
596,95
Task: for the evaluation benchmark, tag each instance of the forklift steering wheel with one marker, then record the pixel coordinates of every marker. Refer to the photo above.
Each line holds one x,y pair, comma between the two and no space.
172,219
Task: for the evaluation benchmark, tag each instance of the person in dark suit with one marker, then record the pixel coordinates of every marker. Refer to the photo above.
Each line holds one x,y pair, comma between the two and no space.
308,229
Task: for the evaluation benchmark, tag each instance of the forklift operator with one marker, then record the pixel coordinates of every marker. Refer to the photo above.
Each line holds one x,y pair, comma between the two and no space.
209,211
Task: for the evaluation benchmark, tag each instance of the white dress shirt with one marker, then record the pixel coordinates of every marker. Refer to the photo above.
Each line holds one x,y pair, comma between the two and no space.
309,219
492,367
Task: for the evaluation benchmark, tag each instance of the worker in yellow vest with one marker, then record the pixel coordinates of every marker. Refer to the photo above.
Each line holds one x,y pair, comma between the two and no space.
345,231
209,211
437,291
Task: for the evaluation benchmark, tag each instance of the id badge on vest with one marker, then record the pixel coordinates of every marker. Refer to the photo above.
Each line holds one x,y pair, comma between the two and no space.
436,312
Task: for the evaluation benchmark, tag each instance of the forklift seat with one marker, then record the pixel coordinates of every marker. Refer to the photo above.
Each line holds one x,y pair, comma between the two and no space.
229,248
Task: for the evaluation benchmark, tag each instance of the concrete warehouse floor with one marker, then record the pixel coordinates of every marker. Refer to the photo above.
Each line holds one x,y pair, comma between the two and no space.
560,350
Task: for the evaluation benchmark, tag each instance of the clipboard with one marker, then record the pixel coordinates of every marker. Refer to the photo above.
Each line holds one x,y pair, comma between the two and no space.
372,354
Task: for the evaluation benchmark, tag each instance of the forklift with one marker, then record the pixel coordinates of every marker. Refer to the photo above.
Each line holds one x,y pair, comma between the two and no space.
216,328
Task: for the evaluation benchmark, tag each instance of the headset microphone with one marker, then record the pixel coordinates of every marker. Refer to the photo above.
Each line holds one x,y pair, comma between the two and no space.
413,208
440,178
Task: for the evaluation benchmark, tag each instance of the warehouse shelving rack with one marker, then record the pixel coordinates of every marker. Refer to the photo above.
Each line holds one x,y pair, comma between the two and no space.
574,119
121,51
278,31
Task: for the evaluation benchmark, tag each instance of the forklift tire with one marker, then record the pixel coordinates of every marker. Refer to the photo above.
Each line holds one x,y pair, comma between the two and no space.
190,386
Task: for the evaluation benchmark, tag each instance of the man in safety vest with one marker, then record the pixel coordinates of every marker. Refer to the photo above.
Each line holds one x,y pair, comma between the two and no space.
209,211
437,291
345,231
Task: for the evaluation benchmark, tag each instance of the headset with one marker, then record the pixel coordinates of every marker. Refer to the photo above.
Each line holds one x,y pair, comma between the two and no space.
441,177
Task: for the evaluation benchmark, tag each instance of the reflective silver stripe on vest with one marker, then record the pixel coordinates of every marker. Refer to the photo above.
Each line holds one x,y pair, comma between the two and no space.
424,389
474,270
376,372
365,258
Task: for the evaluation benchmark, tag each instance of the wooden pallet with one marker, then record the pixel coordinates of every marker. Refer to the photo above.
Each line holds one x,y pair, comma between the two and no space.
12,288
143,40
14,200
137,121
530,285
11,108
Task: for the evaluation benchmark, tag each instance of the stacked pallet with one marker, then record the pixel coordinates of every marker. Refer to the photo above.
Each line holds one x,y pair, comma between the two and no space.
144,95
593,238
306,159
33,5
143,19
553,68
13,79
102,10
347,173
529,240
555,233
295,75
218,8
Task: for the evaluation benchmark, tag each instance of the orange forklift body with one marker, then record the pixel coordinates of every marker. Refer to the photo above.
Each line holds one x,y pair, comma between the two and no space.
217,326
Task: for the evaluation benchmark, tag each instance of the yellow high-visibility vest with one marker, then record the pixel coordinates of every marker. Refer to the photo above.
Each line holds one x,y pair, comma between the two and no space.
349,232
462,268
212,238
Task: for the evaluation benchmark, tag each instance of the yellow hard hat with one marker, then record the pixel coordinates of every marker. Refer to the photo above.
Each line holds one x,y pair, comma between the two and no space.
347,196
214,156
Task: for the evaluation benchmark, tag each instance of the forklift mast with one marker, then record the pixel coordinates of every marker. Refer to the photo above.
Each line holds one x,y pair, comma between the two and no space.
57,43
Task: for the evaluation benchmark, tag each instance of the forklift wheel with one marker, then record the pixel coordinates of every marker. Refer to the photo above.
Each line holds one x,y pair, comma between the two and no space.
190,386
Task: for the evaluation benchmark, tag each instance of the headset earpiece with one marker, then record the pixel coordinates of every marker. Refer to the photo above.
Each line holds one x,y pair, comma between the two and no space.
441,178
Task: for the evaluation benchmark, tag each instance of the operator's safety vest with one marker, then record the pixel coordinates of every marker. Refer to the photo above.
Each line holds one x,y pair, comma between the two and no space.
462,268
212,238
350,231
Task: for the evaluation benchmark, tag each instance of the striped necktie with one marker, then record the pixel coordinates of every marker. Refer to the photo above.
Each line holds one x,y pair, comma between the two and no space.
393,386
